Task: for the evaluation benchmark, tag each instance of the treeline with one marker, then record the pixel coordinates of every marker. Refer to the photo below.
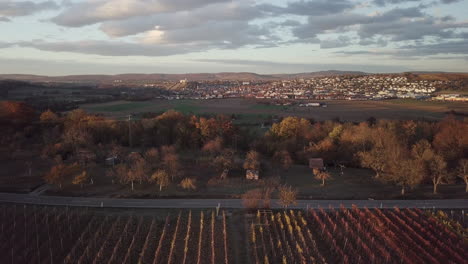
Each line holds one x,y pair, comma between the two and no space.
405,153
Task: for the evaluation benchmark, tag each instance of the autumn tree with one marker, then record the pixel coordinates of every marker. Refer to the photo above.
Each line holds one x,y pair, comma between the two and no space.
188,184
171,164
322,175
385,146
224,162
118,172
432,165
451,140
257,198
161,178
16,111
252,161
48,117
438,172
138,168
152,158
80,179
403,172
213,146
291,127
59,173
463,172
287,196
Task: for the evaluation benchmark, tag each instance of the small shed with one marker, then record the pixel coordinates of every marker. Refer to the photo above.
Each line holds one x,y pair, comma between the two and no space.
251,174
86,156
111,161
316,163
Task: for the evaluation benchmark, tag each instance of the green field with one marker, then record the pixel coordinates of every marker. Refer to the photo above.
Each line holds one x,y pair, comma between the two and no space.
253,111
121,107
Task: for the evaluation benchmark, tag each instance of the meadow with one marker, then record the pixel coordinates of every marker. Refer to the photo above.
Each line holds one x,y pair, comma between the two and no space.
252,109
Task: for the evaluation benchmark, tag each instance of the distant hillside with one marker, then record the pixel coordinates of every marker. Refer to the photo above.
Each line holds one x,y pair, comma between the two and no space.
173,77
131,77
458,81
308,75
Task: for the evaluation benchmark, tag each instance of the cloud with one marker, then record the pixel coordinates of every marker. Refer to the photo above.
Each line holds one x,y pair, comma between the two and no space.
23,8
397,2
309,8
4,19
449,47
341,41
341,22
111,48
282,67
89,12
392,2
214,13
455,47
449,1
5,45
398,24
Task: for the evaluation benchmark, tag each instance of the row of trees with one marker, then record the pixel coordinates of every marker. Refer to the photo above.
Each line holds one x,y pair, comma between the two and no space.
406,153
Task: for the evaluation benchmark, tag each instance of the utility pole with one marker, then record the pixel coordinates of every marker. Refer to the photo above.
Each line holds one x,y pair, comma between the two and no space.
130,130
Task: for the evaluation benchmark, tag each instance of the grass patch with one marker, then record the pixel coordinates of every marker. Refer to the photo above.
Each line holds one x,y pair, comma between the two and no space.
127,106
185,108
268,107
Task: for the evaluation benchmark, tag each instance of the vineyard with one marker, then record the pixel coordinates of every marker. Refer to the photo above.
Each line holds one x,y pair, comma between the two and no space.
62,235
354,236
39,234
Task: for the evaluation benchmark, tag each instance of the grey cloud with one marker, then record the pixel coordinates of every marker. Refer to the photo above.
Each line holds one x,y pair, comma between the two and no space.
398,24
450,47
459,47
450,1
309,8
91,12
392,2
183,19
401,30
220,35
5,45
4,19
225,35
281,67
396,2
111,48
341,41
23,8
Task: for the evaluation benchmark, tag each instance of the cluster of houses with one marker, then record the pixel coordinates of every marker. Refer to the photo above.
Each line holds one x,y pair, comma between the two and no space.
367,87
451,97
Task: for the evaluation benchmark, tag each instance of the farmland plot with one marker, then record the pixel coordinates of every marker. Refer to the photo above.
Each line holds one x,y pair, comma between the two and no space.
39,234
354,236
31,234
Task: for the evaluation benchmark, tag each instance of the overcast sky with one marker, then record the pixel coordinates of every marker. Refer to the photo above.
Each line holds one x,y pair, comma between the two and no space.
265,36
